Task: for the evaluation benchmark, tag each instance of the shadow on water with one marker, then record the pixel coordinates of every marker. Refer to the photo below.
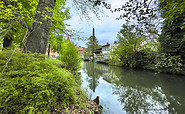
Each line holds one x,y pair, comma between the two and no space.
123,90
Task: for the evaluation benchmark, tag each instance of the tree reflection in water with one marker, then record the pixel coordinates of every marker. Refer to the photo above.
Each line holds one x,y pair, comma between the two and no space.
140,91
144,92
93,75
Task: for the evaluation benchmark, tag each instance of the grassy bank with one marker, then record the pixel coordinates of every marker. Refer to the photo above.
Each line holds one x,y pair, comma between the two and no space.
32,84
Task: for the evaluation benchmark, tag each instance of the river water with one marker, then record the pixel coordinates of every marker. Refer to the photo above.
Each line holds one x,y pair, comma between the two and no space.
124,90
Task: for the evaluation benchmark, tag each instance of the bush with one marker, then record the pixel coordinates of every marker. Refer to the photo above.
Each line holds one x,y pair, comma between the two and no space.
69,56
56,62
30,84
168,63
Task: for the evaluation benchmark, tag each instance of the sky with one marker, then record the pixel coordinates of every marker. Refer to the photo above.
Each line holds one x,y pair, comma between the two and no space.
106,27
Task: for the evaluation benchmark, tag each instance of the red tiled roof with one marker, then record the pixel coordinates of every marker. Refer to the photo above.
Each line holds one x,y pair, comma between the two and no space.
80,48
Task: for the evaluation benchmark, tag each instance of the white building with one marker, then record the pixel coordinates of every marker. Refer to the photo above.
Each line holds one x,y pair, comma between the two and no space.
106,49
112,47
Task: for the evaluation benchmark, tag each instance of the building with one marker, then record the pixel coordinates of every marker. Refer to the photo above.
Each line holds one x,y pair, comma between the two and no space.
102,53
98,53
80,51
52,53
112,47
106,50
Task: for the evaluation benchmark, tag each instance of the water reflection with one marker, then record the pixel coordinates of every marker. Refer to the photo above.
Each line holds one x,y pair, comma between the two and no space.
129,91
91,69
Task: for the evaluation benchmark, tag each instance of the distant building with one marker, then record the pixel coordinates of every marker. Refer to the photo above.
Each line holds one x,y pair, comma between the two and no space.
105,52
80,51
105,49
112,47
101,53
52,53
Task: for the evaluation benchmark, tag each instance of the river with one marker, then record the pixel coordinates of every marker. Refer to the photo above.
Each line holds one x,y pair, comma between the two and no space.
123,90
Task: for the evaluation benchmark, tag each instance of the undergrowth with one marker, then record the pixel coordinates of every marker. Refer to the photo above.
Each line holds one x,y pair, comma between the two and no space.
33,84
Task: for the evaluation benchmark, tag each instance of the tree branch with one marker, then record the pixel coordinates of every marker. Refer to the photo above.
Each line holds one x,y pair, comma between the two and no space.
15,49
7,30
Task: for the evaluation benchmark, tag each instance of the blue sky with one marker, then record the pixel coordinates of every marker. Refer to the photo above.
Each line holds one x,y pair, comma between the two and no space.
106,27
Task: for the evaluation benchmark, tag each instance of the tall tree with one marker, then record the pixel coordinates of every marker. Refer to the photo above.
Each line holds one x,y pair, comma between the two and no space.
39,35
38,38
173,31
130,43
41,16
92,45
92,40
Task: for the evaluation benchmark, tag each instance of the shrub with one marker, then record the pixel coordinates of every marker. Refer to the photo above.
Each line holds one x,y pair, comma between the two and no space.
56,62
167,63
69,56
30,84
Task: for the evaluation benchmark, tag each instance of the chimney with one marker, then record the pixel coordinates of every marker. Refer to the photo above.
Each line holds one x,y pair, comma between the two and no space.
68,38
93,31
107,43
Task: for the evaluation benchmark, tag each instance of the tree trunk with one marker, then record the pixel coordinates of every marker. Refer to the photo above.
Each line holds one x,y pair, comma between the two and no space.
93,45
7,42
38,39
48,50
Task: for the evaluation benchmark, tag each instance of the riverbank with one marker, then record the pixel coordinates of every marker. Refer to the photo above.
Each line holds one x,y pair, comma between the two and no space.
167,71
123,90
91,107
31,83
153,67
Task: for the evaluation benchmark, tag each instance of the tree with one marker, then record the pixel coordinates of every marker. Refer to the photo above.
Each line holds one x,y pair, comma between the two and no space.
130,43
92,45
141,12
58,28
38,39
15,17
174,7
172,37
69,56
42,16
39,35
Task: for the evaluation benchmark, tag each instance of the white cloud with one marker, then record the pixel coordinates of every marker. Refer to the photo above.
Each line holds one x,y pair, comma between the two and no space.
106,28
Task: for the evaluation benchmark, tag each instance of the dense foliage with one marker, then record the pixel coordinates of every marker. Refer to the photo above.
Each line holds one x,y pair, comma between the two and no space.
30,23
134,50
141,46
172,37
69,56
31,84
